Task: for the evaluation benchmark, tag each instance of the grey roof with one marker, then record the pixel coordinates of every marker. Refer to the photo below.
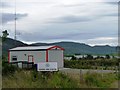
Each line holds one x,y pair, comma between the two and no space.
31,48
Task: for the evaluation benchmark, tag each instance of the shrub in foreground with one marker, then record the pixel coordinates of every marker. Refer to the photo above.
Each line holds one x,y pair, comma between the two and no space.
99,80
8,68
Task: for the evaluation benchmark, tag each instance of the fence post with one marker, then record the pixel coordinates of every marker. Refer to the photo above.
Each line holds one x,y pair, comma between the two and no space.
81,76
118,76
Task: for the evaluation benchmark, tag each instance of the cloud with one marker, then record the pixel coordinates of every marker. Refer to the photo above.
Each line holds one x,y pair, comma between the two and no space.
75,19
74,35
37,36
72,19
113,41
4,5
56,20
80,12
111,14
8,17
68,36
112,3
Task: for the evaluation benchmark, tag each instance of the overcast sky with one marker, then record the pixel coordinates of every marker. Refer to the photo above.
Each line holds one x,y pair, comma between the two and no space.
94,22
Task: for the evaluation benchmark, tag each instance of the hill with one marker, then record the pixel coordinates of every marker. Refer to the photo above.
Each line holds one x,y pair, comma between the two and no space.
70,47
81,48
11,43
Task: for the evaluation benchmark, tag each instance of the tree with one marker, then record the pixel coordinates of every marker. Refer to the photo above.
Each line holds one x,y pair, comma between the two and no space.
107,56
5,34
89,57
73,58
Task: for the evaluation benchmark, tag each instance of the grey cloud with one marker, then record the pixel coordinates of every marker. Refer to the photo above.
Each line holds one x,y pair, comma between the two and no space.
71,33
8,17
69,36
4,5
75,19
72,5
112,3
38,37
111,0
71,19
110,14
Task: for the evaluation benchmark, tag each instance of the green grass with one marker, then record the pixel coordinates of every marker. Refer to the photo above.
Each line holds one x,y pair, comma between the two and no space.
99,80
33,79
26,79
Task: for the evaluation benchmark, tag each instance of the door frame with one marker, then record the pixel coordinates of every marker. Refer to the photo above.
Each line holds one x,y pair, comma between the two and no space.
29,58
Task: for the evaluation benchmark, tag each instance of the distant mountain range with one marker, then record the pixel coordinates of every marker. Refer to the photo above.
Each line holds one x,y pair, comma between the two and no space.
11,43
70,47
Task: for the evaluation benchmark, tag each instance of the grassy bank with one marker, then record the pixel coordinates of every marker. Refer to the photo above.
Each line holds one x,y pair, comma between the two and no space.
32,79
100,80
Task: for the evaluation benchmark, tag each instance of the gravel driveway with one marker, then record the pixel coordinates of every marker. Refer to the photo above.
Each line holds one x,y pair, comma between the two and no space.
77,71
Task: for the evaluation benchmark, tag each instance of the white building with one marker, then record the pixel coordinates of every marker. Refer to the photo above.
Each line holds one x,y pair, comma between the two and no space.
68,58
36,54
95,56
78,56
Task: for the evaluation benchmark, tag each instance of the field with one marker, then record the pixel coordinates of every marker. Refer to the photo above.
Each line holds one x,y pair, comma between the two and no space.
18,78
33,79
106,64
26,79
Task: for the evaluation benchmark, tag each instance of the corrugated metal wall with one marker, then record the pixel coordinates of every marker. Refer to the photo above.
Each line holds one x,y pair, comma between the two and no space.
56,55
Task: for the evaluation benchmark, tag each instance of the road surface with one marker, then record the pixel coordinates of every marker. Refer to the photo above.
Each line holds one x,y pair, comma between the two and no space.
77,71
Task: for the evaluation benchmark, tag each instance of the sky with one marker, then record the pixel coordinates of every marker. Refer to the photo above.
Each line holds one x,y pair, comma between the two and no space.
93,22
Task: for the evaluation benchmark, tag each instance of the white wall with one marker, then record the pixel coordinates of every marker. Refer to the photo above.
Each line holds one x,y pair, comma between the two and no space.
56,55
38,56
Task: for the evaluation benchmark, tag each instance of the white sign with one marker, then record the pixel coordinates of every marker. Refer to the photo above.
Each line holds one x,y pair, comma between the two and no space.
47,66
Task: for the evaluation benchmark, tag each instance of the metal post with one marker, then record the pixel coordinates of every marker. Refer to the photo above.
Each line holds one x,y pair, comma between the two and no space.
15,23
118,72
81,76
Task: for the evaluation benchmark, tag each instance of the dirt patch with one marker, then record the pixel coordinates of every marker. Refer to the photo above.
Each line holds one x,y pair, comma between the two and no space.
114,84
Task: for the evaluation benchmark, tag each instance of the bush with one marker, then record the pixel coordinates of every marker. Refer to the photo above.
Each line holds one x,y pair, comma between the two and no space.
59,80
90,64
8,69
118,75
97,80
91,79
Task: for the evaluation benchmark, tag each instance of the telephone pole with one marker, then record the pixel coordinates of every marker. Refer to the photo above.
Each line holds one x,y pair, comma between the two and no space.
15,23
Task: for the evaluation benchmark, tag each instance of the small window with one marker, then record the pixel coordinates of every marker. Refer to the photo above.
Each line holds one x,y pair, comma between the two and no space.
14,58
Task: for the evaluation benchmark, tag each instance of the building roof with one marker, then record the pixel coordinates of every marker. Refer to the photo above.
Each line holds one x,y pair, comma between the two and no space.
30,48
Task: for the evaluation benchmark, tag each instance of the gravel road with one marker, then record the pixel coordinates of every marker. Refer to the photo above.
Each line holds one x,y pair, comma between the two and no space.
77,71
